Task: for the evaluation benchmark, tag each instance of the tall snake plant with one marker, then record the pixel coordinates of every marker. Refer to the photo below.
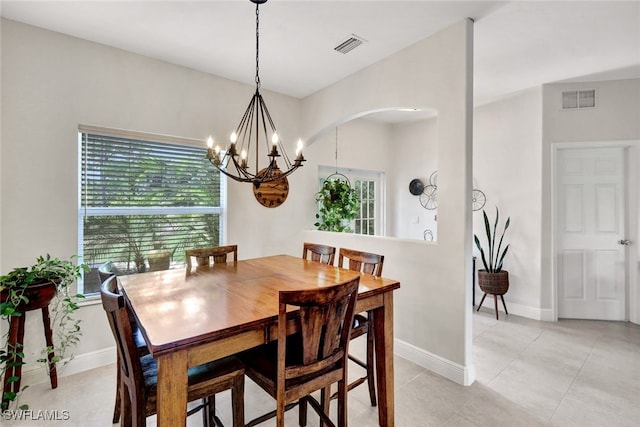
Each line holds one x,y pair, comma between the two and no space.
495,256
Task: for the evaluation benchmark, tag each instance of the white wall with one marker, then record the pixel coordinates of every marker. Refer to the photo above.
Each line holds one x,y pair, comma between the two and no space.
435,278
507,167
401,151
513,140
415,145
615,118
1,60
51,83
54,82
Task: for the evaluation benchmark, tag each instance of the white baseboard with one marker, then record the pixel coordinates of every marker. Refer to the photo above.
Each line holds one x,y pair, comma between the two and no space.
37,373
448,369
535,313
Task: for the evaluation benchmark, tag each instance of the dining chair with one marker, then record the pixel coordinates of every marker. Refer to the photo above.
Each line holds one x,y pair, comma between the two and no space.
106,271
294,366
367,263
217,254
138,374
319,253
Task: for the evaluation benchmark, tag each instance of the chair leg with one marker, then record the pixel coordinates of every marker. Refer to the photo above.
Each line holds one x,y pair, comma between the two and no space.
342,403
116,409
371,362
280,411
481,301
128,411
325,400
504,305
495,303
208,412
302,412
237,401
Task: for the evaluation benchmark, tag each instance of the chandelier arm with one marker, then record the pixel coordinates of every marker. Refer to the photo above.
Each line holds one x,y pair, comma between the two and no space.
236,177
246,126
273,126
289,171
261,111
283,152
248,177
244,117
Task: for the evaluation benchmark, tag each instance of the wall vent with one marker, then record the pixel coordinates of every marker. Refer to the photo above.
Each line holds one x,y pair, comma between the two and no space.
349,44
575,99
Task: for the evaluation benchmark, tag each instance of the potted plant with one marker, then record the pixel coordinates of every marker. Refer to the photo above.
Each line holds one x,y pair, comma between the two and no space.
159,258
45,284
493,279
338,205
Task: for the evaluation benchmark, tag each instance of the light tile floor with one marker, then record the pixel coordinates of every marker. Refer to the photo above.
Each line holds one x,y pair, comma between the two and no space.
529,373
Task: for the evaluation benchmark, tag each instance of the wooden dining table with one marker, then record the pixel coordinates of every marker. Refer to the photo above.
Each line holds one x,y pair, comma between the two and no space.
192,317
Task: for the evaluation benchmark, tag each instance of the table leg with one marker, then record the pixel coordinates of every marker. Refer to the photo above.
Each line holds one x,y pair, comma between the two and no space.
14,365
48,335
172,389
383,331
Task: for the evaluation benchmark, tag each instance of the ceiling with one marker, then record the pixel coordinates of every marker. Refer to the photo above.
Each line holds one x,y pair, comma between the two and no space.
517,44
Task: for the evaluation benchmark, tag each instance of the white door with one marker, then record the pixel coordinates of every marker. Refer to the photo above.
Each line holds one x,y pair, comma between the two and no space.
590,209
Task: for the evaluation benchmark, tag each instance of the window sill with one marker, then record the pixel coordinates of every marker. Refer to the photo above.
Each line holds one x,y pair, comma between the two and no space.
93,299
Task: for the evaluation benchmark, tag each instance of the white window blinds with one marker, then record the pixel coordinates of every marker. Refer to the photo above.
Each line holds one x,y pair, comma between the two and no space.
140,195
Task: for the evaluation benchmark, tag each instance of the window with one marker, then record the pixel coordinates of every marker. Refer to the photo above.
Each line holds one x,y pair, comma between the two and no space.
368,184
366,221
144,198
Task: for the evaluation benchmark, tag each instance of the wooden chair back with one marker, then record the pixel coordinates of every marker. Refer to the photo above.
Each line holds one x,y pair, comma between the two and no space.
319,253
138,372
131,373
217,254
326,316
364,262
105,271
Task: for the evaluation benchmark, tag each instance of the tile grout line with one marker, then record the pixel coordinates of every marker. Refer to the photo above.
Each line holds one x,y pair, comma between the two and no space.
576,377
517,356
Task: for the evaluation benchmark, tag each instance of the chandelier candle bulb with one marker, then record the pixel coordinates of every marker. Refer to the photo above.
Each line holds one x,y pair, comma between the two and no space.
299,156
210,148
232,150
243,159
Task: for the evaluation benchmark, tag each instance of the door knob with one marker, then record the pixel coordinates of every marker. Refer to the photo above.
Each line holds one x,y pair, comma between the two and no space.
624,242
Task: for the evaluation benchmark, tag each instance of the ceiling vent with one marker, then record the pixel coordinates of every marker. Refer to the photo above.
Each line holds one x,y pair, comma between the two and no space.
575,99
349,44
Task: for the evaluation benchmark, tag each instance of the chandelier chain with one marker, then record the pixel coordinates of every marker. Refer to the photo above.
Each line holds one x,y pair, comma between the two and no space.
257,46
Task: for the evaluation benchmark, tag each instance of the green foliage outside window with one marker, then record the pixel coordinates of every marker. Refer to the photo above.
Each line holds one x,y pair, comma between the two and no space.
137,196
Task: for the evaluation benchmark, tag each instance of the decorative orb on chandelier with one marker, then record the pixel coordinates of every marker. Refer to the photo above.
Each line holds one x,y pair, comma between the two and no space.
256,124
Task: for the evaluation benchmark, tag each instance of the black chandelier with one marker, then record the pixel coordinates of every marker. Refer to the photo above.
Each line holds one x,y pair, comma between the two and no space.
234,162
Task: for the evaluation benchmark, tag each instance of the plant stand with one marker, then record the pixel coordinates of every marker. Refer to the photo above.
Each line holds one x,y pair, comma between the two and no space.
494,284
39,295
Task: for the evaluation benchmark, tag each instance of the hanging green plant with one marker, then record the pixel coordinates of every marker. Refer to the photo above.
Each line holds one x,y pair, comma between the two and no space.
338,205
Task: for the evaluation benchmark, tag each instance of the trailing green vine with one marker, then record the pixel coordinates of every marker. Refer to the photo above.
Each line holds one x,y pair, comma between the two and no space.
13,288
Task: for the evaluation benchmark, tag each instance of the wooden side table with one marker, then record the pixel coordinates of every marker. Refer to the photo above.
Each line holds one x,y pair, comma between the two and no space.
39,296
